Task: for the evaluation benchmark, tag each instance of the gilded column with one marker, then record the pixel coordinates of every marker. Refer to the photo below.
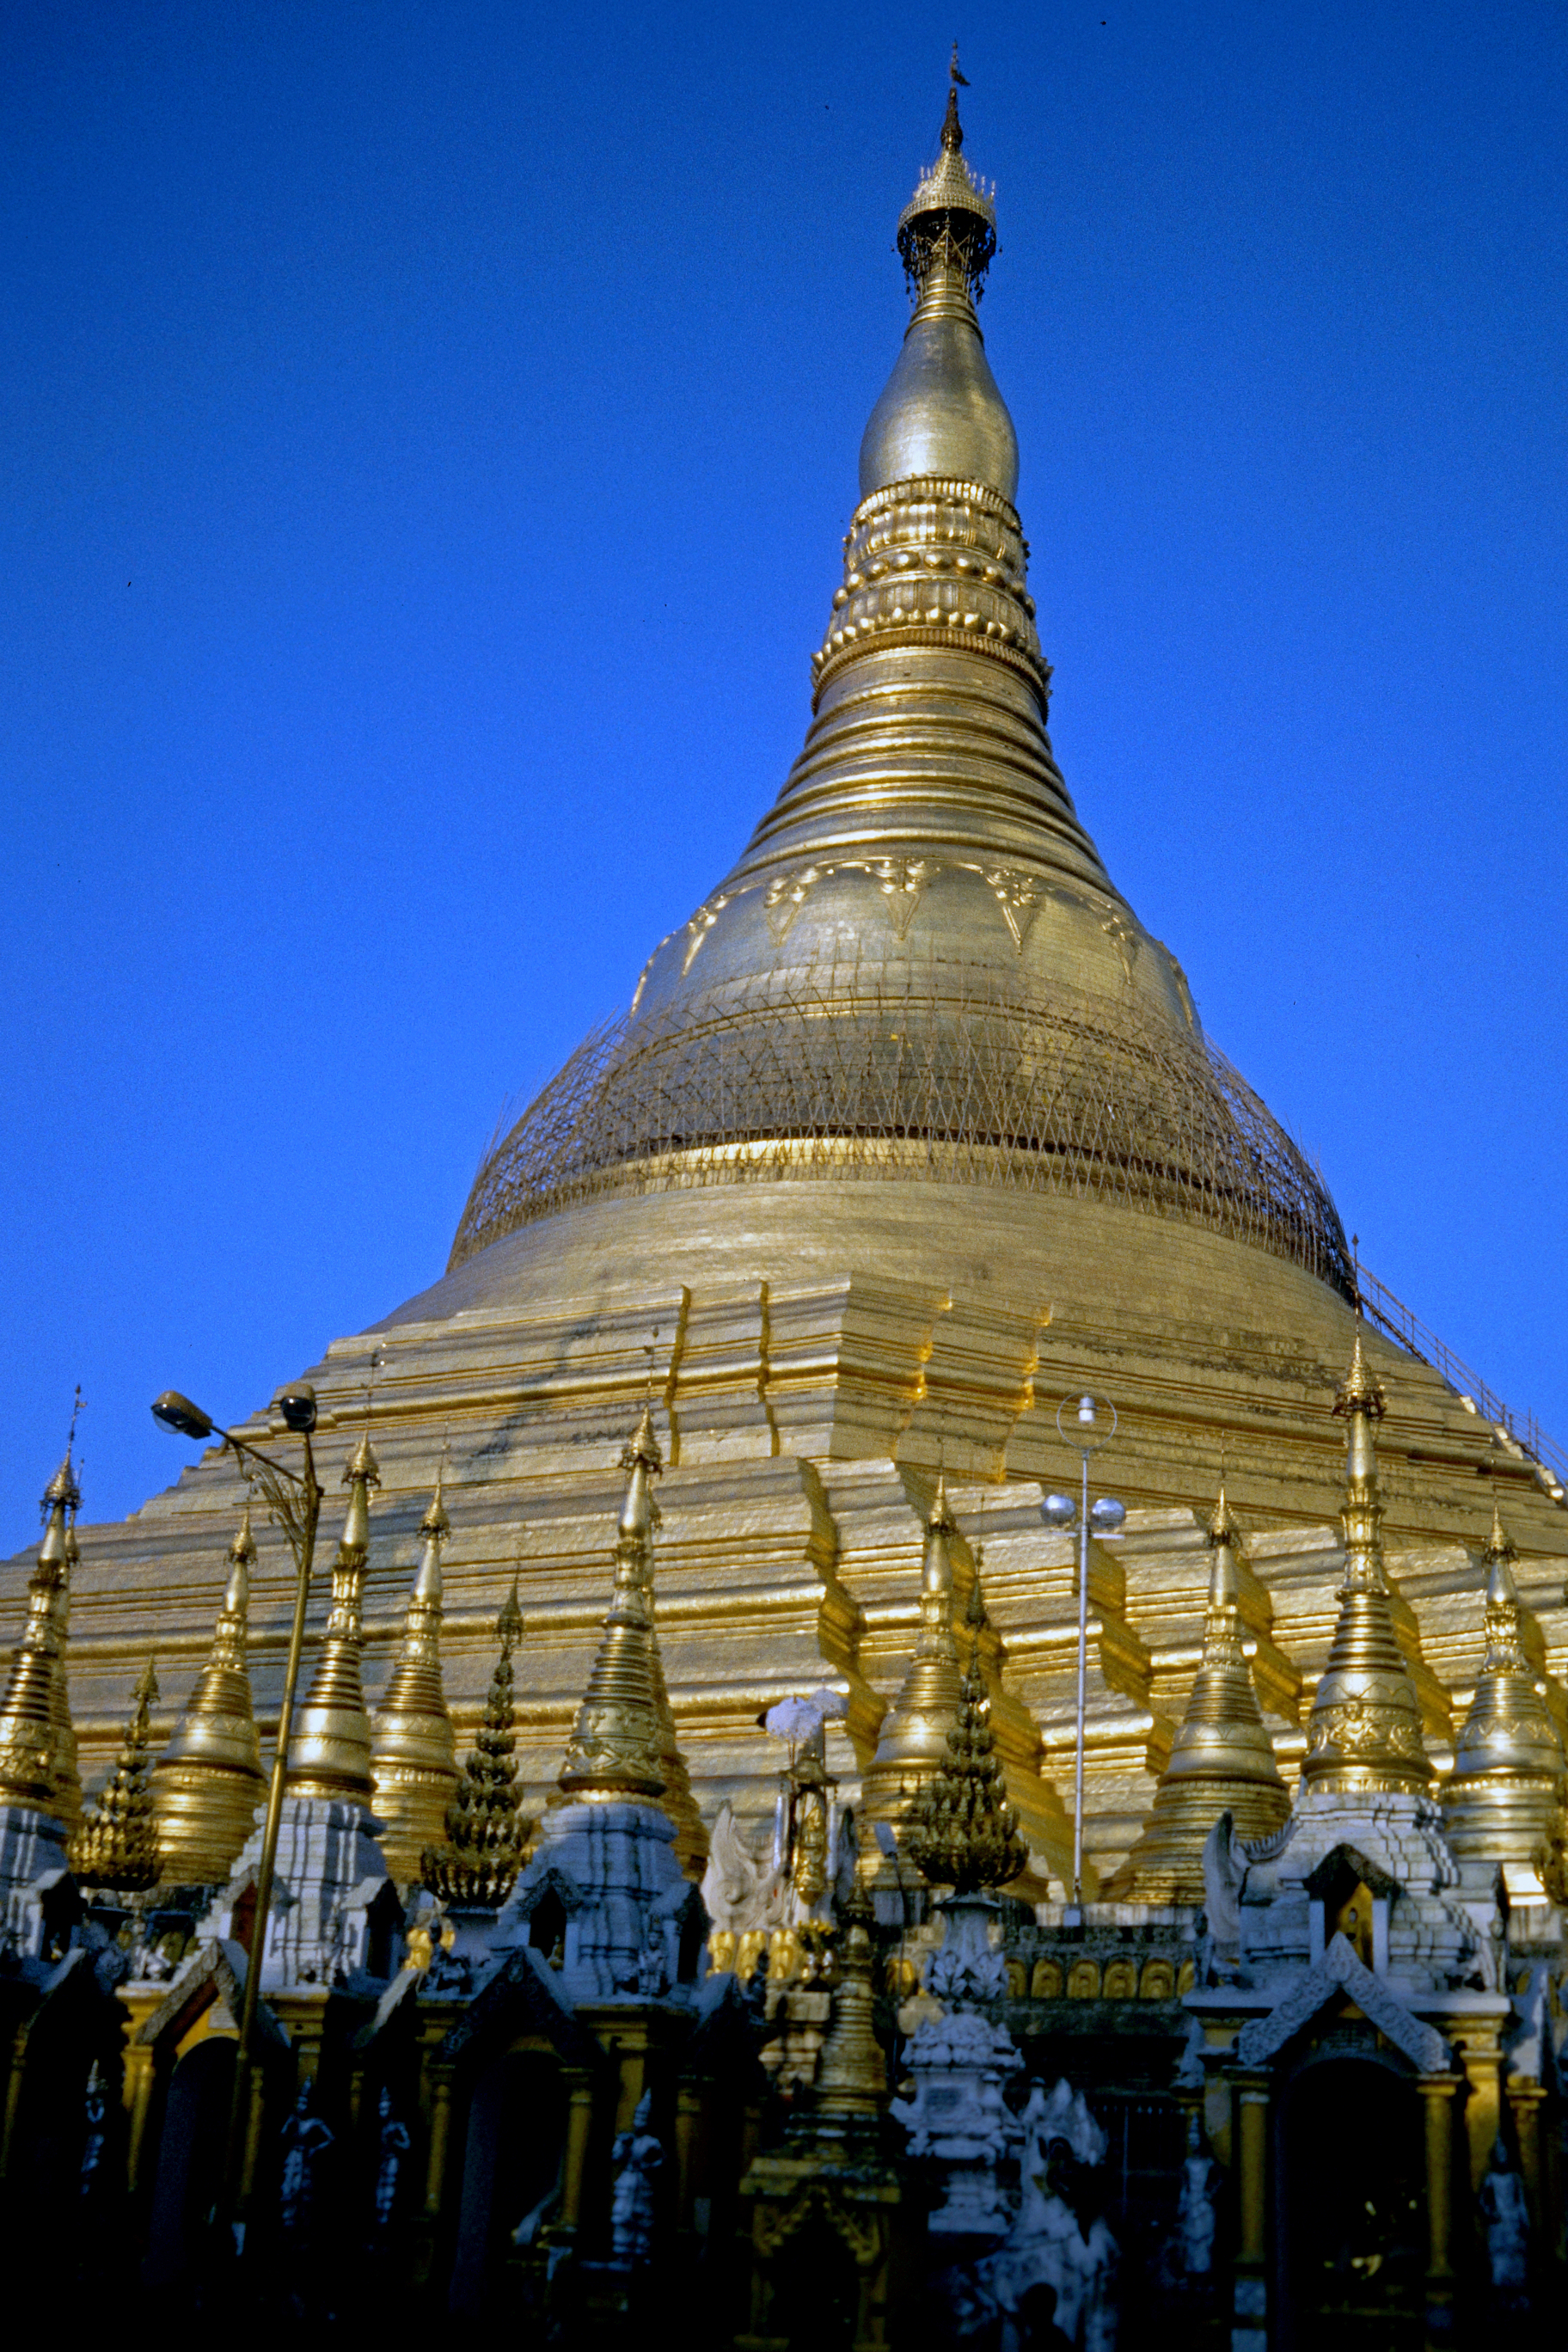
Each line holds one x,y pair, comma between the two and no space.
1250,2302
413,1755
1438,2092
579,2130
208,1782
1482,2061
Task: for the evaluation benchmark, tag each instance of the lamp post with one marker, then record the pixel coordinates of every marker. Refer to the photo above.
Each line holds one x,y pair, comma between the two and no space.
294,1499
1093,1424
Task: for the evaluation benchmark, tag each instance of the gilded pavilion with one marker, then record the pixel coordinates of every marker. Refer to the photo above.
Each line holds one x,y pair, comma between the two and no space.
766,1306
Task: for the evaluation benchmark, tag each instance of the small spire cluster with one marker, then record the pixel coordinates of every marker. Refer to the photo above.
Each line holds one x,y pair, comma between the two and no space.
486,1833
962,1833
116,1847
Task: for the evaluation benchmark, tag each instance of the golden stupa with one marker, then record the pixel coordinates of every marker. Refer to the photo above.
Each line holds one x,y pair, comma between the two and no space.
910,1130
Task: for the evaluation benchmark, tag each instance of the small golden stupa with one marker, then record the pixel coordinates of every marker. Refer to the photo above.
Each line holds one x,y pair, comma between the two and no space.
208,1782
1222,1758
1364,1732
413,1753
1505,1793
328,1755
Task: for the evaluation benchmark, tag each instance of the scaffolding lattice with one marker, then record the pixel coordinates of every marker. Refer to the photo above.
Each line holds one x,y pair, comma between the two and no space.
899,1071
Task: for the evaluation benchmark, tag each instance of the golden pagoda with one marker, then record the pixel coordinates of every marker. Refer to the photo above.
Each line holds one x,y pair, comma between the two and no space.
909,1129
33,1771
1221,1759
208,1782
328,1755
413,1755
1502,1800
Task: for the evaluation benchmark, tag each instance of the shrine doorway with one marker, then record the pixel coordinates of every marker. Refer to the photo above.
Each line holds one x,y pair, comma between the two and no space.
1350,2208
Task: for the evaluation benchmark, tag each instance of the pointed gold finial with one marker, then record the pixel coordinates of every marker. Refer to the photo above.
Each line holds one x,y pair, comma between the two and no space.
1364,1731
477,1867
1502,1798
912,1744
116,1846
34,1761
412,1754
67,1776
329,1751
208,1782
962,1833
951,128
1221,1759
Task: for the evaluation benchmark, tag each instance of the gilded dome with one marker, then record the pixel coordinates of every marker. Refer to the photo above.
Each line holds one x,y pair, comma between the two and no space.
918,970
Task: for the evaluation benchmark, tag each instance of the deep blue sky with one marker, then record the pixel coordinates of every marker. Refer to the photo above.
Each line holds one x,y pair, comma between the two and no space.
429,431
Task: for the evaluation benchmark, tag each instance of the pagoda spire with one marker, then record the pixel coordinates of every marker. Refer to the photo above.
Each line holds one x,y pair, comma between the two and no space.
1221,1759
1507,1785
962,1833
68,1775
620,1743
329,1751
209,1781
412,1760
914,1740
30,1747
477,1867
116,1846
1364,1731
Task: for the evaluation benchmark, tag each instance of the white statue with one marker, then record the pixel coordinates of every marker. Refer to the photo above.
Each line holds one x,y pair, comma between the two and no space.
1225,1872
741,1895
1196,2210
1047,2243
1507,2218
636,2156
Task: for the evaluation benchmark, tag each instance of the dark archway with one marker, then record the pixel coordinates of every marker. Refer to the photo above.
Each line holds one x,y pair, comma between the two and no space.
1351,2208
517,2132
191,2153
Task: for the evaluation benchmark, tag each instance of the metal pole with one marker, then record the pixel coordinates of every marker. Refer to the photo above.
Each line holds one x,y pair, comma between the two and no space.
239,2110
1082,1687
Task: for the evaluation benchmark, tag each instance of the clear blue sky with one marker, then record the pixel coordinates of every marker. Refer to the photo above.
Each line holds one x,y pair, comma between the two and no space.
429,430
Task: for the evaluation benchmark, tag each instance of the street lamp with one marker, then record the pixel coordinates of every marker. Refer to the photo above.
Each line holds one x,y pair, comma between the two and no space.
1093,1425
294,1500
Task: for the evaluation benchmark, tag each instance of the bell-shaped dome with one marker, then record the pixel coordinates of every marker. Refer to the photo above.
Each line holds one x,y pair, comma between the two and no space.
919,972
